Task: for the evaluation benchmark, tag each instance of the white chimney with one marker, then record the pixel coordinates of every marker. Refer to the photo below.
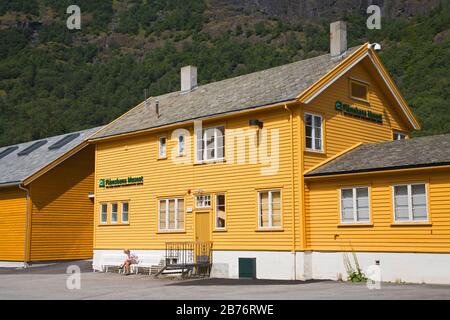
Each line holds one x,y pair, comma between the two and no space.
188,78
338,38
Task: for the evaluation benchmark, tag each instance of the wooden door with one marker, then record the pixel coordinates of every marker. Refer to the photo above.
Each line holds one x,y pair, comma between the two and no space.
202,227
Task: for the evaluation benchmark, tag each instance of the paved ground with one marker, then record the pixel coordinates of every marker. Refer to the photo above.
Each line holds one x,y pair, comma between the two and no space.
49,282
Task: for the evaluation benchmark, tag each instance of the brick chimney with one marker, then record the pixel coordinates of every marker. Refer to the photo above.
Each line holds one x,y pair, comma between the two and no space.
338,38
188,78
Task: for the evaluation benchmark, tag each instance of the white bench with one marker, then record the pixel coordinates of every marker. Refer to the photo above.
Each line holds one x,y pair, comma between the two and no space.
147,262
112,261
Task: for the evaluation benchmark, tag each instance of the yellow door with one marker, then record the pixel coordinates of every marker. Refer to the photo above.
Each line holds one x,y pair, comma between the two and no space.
202,237
202,227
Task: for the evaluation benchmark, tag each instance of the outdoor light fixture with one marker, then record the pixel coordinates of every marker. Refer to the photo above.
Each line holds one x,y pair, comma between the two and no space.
256,123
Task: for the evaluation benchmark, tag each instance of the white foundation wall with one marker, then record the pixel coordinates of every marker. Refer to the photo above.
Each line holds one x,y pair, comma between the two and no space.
274,265
11,264
102,257
394,267
269,264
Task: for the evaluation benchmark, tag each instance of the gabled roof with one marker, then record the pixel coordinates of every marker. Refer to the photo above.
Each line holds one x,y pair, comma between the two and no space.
300,81
258,89
15,168
422,152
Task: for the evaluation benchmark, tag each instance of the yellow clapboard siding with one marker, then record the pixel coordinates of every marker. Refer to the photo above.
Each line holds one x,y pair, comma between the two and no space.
138,156
344,131
62,214
12,224
323,218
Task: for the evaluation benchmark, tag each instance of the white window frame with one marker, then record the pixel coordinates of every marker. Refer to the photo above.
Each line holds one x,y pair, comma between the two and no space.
355,205
203,201
410,205
162,155
167,223
101,213
313,133
271,226
121,212
216,211
204,145
117,213
399,134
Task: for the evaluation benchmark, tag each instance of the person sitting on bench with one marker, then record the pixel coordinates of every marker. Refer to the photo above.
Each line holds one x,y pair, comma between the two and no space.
130,259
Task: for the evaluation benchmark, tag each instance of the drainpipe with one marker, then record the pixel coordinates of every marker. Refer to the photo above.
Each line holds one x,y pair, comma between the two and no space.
25,262
294,253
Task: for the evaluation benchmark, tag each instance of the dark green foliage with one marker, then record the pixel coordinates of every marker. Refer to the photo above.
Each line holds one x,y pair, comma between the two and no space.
25,6
53,80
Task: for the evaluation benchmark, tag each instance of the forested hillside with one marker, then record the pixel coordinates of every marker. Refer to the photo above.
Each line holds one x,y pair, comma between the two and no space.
53,80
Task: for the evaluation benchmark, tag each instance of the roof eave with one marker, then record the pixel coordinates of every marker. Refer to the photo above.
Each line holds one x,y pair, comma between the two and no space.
10,184
377,170
190,121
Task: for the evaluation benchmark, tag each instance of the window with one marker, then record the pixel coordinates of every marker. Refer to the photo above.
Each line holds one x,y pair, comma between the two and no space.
103,213
410,203
399,136
269,209
125,207
162,147
203,201
220,212
314,132
211,144
181,145
359,90
355,206
171,214
114,212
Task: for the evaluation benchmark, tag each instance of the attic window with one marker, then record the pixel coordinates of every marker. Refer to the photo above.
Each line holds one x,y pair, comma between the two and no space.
359,90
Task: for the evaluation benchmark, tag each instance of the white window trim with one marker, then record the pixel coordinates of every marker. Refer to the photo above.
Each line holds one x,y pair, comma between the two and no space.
216,211
410,206
270,227
313,133
400,134
117,213
355,205
160,155
203,206
121,212
166,222
101,211
204,145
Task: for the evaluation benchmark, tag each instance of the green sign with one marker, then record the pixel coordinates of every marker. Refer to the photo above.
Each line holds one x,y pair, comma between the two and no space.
360,113
115,183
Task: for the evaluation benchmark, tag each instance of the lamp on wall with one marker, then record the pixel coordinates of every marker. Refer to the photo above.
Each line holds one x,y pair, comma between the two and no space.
256,123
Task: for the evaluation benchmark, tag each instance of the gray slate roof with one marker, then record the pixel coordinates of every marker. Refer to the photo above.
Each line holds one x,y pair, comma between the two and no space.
15,168
418,152
249,91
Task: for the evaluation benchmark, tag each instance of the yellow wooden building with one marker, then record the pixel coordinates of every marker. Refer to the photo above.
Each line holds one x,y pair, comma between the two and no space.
46,190
239,162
